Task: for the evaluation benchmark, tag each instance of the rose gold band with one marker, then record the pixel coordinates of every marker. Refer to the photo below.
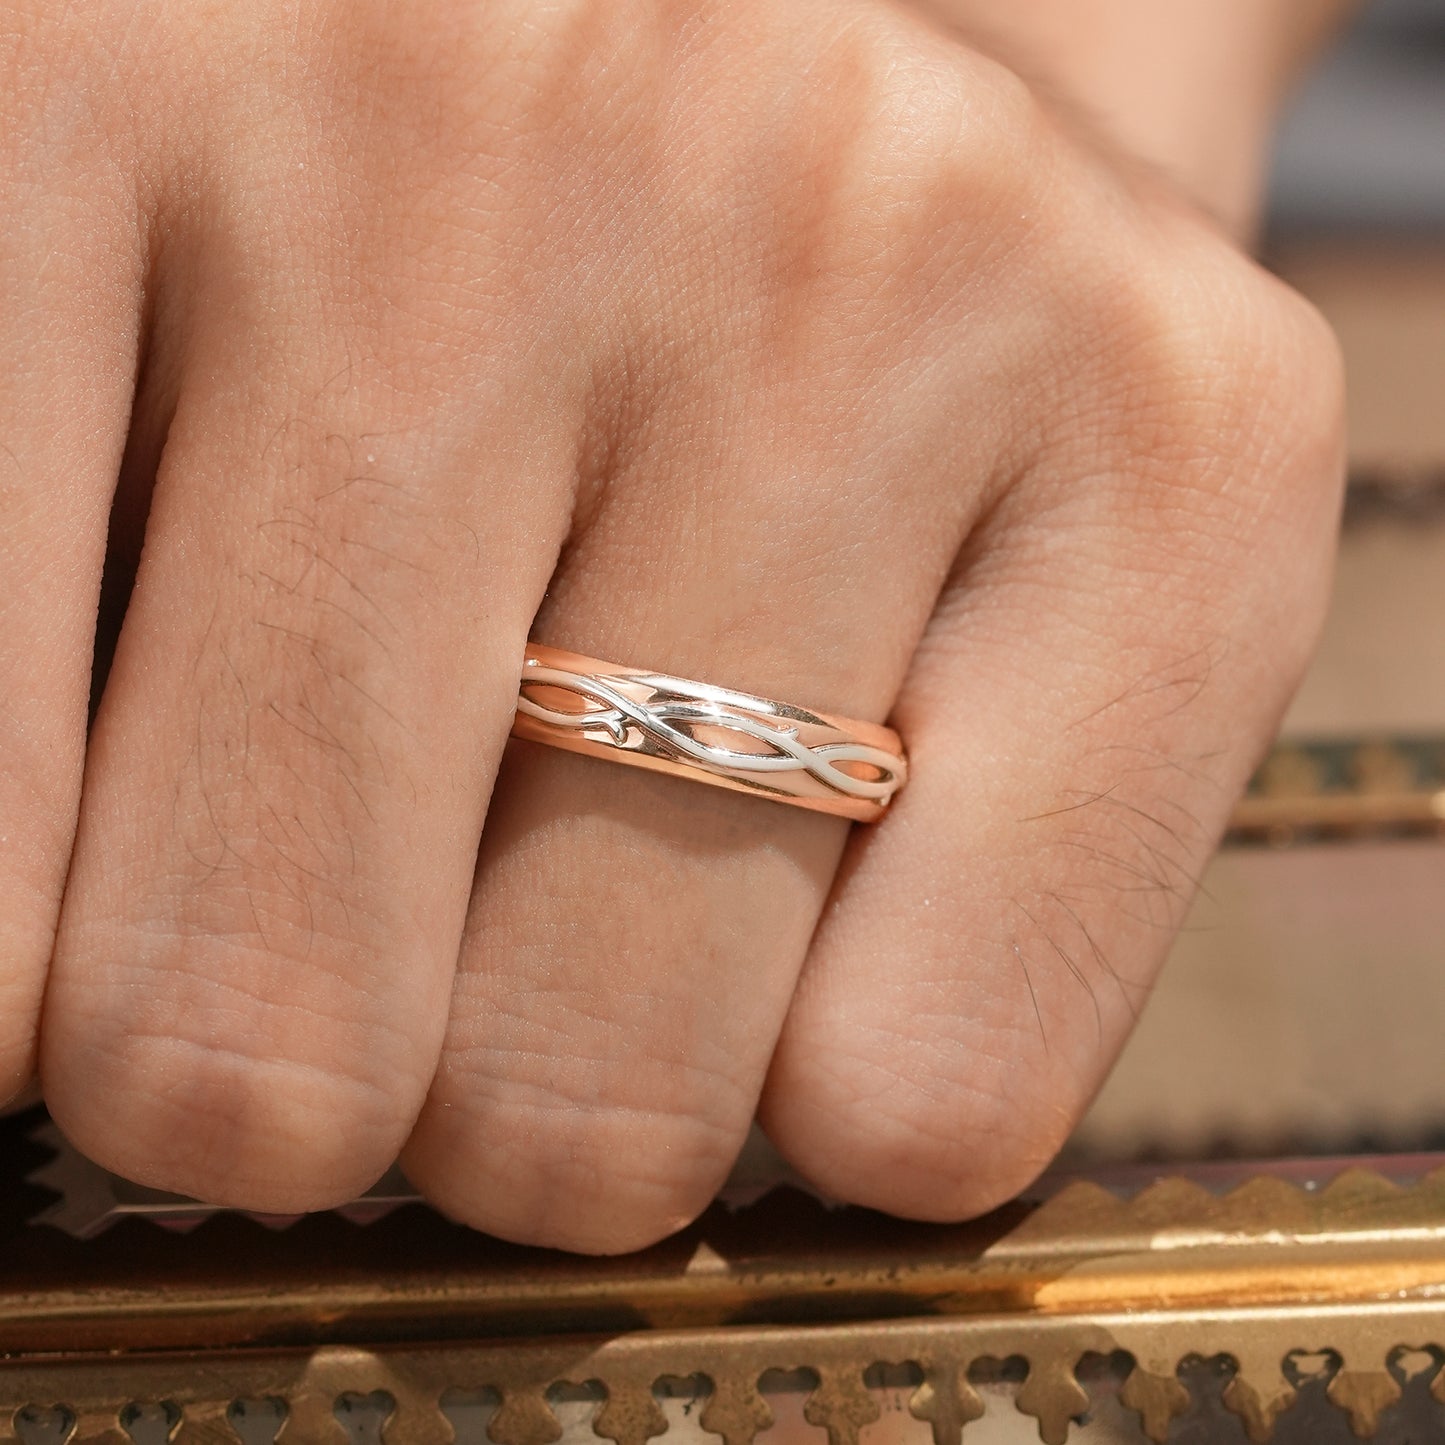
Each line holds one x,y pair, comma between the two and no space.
730,739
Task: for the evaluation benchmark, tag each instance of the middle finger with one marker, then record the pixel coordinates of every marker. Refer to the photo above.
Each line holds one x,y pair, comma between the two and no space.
312,687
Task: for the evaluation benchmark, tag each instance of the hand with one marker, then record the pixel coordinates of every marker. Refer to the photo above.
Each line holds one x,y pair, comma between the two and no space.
797,348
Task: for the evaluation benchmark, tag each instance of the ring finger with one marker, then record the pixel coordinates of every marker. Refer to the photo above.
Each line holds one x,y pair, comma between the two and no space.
633,939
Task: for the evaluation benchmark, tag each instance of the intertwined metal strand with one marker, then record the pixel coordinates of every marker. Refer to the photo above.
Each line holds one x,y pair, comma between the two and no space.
622,718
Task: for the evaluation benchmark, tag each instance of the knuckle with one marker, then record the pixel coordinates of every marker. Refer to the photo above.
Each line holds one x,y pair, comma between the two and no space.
216,1091
958,1159
924,1138
1222,344
946,153
1013,1145
1310,370
902,158
1205,375
592,1178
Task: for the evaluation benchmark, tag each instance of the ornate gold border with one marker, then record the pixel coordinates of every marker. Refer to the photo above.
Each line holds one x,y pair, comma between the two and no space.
1261,1273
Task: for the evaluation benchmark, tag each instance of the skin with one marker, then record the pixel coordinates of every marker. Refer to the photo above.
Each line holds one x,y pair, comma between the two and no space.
805,348
1190,87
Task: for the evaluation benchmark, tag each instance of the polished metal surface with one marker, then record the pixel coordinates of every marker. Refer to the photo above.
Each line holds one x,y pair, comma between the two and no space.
709,734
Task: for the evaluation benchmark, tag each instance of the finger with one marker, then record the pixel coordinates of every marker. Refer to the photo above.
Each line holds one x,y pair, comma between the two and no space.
290,764
70,303
1080,720
633,940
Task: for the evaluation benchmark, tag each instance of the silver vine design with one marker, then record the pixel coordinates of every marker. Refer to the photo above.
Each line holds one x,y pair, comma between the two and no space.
667,720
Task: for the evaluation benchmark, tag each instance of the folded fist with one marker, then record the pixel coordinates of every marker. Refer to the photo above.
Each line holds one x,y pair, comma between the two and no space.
798,348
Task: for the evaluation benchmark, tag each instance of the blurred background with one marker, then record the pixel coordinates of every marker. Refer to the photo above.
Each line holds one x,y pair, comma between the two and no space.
1303,1010
1364,146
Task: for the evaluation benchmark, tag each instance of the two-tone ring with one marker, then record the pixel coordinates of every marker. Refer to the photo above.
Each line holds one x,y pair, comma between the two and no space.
711,734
